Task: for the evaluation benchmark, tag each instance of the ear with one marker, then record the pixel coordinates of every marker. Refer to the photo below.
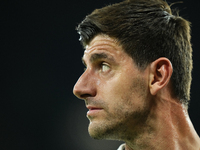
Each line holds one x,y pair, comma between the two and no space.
160,74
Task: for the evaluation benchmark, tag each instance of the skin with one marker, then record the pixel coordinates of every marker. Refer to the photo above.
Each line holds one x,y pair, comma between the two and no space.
131,105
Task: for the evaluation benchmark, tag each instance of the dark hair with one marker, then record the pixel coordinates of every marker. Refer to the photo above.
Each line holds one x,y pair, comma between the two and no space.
147,30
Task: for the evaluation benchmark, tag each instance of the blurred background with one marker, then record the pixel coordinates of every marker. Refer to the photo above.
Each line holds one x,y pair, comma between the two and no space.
40,59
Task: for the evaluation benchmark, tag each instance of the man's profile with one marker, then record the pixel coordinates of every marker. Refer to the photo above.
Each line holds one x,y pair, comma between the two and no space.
136,84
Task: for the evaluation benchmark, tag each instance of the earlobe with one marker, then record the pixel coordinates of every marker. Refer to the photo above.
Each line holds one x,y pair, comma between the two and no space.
160,74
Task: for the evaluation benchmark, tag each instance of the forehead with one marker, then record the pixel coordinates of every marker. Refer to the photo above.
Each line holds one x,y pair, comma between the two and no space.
103,43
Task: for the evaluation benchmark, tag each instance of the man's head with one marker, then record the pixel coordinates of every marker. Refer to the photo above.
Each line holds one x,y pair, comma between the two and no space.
114,89
146,30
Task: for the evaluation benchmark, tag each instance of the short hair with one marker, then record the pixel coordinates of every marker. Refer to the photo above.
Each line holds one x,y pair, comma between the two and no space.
147,30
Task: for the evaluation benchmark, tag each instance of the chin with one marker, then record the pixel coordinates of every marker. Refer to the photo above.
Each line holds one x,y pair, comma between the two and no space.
103,131
96,131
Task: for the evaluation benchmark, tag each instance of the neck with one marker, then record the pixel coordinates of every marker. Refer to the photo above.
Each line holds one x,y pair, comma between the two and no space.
168,127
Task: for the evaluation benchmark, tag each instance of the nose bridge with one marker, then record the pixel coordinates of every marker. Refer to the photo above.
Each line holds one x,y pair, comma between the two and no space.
85,86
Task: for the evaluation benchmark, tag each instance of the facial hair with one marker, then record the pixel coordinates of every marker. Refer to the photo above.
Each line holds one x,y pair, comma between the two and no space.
117,125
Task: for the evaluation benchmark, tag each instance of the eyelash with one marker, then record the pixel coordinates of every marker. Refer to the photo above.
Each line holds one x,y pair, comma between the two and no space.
100,66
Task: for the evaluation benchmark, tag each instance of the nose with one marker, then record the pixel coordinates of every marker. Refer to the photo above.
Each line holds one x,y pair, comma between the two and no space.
85,86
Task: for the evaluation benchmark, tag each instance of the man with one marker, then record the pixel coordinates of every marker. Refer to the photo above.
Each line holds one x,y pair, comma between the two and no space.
136,84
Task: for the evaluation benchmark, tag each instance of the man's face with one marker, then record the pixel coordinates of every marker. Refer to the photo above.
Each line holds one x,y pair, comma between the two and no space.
114,90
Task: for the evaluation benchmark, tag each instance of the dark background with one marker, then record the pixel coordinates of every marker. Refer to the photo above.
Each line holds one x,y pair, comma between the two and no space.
40,59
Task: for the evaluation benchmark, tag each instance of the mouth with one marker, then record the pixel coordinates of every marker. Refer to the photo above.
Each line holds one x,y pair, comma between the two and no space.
93,110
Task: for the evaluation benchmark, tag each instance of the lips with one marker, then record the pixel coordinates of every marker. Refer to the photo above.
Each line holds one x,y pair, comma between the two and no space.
93,110
93,107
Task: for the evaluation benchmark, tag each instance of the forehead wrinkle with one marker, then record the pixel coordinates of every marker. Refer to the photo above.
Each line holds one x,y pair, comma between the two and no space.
97,56
103,39
99,44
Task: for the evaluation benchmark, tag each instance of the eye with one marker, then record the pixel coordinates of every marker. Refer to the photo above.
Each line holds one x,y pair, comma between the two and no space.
105,67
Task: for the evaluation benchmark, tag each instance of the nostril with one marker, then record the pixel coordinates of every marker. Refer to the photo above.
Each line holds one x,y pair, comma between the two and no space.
83,96
77,93
83,93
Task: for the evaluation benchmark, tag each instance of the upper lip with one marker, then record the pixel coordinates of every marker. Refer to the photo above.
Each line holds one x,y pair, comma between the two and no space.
93,107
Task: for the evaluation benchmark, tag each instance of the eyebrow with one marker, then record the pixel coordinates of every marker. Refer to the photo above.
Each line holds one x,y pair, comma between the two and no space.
98,56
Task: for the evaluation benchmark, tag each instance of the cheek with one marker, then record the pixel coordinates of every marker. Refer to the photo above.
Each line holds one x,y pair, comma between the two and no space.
115,86
117,96
126,93
118,89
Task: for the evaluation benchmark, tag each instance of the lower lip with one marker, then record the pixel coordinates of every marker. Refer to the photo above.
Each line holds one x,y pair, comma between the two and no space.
93,112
